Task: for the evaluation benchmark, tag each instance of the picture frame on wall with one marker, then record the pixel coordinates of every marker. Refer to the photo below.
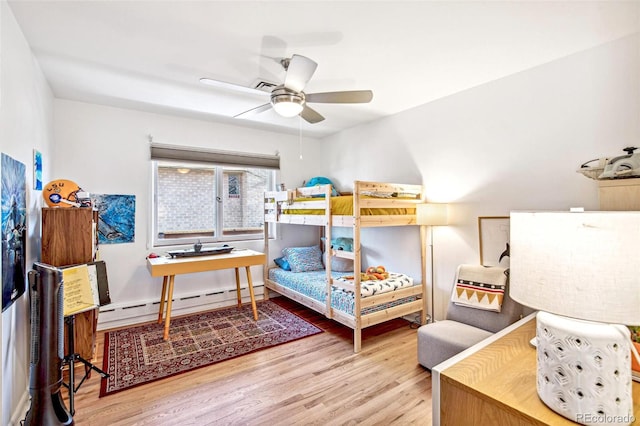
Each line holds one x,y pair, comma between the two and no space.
14,229
116,218
493,232
37,170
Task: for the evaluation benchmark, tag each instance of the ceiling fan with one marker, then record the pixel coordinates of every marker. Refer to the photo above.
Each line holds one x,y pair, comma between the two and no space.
289,100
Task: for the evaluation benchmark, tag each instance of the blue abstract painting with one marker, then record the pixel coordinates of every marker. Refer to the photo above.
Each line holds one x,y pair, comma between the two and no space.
116,218
14,229
37,170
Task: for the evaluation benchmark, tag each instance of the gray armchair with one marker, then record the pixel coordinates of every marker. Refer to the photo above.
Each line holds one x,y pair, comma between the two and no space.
462,328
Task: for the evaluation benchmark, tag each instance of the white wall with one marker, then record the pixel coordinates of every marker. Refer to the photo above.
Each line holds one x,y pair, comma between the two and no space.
25,123
105,150
512,144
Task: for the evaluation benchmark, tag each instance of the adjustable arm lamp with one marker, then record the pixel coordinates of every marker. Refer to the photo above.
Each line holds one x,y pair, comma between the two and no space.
581,270
430,214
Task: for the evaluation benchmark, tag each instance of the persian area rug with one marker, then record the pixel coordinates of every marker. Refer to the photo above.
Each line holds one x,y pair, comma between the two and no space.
138,355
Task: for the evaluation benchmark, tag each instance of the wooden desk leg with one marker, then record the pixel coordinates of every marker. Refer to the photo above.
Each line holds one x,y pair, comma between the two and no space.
167,320
253,297
162,298
238,288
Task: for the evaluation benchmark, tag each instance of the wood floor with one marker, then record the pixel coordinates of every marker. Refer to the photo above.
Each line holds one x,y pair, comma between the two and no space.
317,380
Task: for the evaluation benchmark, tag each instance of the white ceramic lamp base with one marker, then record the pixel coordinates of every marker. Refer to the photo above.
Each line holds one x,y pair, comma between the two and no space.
584,370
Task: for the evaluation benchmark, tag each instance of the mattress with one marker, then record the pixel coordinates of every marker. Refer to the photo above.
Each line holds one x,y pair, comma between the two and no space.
313,284
343,206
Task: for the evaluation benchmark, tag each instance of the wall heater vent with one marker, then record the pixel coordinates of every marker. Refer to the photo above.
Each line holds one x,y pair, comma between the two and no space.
120,315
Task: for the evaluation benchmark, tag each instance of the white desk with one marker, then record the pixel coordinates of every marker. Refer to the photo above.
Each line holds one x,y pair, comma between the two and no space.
168,268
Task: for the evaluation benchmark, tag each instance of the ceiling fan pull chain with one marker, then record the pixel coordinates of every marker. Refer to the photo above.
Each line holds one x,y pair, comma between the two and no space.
300,135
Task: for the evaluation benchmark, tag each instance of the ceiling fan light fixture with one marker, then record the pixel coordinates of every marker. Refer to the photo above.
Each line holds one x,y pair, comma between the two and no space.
287,105
288,99
286,102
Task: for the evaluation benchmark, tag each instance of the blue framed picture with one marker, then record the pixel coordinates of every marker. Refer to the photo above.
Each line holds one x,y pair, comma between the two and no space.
116,218
14,229
37,170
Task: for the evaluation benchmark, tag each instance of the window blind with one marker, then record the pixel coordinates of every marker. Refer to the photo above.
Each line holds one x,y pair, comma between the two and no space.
203,155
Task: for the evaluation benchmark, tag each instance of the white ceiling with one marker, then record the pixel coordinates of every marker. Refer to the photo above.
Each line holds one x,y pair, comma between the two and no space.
150,55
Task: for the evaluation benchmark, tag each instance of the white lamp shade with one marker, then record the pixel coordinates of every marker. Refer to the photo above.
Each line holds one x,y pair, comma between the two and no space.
580,265
432,214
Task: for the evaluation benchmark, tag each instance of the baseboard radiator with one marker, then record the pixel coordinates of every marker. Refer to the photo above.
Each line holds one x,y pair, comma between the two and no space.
121,315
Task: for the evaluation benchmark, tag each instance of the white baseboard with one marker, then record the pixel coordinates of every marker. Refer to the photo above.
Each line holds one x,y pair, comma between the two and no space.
122,315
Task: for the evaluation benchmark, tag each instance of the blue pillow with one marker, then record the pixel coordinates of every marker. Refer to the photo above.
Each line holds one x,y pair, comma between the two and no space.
282,263
304,259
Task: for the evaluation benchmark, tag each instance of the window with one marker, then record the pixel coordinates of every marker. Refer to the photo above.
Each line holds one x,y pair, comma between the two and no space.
207,201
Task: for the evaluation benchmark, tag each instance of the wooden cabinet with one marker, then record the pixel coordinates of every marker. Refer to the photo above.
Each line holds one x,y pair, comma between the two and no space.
496,384
619,194
69,238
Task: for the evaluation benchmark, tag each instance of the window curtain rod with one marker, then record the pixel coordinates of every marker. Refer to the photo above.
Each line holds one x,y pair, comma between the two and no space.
202,155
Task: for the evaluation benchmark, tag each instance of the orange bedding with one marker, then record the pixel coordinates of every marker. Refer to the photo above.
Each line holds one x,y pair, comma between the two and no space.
343,206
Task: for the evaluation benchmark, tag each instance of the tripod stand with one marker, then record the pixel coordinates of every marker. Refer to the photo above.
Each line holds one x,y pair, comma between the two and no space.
74,357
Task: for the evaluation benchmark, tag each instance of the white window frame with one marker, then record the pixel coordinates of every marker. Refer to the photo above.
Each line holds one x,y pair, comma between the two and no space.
219,167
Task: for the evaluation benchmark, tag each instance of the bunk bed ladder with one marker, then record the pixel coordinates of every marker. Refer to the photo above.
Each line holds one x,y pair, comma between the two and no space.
327,247
357,267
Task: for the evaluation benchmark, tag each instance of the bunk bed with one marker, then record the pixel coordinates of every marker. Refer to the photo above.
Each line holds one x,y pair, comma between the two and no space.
373,204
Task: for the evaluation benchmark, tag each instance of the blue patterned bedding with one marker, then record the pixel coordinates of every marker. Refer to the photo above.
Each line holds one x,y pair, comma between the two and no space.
313,284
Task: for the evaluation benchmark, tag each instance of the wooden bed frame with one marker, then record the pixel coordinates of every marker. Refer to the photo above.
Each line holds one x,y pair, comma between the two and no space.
278,202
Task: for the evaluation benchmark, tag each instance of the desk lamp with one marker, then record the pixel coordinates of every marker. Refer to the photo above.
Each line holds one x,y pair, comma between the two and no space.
582,272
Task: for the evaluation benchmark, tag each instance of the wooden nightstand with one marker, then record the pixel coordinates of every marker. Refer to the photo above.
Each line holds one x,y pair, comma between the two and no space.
494,382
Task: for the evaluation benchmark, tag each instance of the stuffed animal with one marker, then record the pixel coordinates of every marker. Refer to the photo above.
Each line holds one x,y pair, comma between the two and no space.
342,243
372,273
339,264
379,272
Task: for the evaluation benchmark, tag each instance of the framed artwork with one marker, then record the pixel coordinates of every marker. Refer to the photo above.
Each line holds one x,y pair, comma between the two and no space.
37,170
14,229
494,240
116,218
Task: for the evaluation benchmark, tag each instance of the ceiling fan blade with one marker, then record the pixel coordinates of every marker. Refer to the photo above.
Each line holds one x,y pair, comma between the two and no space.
299,72
253,111
311,115
347,97
230,86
